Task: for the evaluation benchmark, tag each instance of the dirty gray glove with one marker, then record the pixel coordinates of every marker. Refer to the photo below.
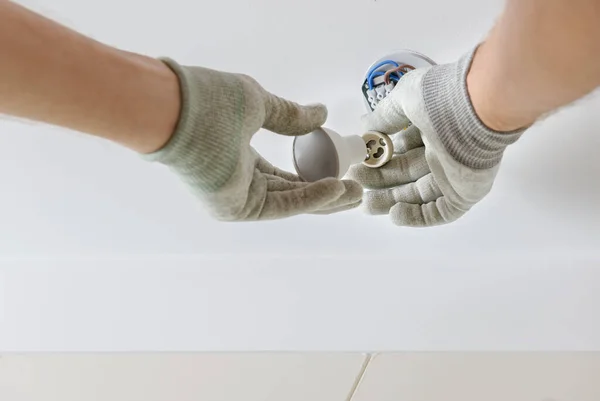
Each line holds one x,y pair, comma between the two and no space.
445,162
210,150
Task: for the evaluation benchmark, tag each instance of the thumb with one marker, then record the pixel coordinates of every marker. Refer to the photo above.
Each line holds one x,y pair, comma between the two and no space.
288,118
388,117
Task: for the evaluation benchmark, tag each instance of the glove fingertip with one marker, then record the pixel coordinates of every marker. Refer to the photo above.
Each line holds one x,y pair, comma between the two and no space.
407,215
290,118
368,121
354,172
353,189
330,187
313,117
365,176
387,118
338,209
376,203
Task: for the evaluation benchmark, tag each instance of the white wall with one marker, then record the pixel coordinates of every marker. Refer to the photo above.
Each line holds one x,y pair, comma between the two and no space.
531,246
195,304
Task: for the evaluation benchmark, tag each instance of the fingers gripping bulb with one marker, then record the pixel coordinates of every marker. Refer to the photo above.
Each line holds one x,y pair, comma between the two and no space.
324,153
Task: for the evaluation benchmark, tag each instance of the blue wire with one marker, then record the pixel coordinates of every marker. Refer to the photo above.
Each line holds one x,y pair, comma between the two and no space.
372,76
381,64
374,73
394,76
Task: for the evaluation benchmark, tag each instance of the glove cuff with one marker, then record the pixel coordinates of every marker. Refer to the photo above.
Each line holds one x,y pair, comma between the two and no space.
465,136
194,149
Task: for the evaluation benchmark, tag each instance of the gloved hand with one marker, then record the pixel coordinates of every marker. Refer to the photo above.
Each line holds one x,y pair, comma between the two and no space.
445,162
210,150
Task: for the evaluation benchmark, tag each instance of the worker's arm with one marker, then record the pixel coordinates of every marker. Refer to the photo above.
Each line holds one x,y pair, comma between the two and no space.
52,74
541,55
197,121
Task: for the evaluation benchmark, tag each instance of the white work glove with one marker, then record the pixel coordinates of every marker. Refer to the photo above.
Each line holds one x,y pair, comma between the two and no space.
210,150
445,162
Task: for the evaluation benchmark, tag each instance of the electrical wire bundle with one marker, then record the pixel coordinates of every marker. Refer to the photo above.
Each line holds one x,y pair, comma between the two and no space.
382,79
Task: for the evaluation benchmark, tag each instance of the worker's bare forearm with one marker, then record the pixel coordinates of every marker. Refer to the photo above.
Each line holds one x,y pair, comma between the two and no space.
52,74
541,55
